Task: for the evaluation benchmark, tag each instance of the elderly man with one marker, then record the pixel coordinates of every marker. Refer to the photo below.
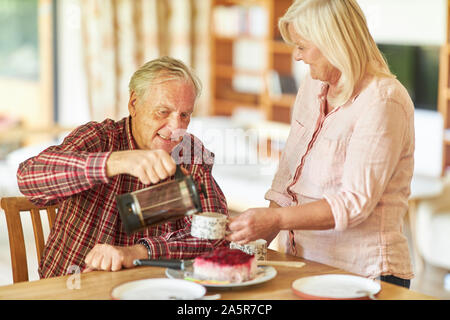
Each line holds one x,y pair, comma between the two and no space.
98,161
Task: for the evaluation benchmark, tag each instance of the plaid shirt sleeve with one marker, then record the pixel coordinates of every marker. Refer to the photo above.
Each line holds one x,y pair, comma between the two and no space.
67,169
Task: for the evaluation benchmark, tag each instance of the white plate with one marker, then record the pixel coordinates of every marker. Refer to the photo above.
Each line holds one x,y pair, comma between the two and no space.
335,286
265,273
158,289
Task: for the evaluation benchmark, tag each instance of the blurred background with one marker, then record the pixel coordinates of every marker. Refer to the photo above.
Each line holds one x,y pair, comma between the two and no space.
66,62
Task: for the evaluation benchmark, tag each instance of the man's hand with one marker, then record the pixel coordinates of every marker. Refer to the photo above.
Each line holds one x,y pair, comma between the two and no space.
149,166
113,258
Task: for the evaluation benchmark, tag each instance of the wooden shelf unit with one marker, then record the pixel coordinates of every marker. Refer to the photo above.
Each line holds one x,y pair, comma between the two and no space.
277,56
444,94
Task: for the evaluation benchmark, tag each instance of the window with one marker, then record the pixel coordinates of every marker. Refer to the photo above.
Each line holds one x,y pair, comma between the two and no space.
19,53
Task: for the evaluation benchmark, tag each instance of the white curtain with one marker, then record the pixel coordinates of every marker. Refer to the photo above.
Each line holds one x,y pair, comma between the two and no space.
121,35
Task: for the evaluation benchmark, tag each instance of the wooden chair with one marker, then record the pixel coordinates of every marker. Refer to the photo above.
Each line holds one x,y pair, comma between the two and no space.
12,207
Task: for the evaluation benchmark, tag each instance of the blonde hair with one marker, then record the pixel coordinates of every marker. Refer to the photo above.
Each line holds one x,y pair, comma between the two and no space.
338,28
160,70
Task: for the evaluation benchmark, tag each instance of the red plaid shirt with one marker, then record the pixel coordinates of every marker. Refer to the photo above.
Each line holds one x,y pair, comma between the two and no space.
73,174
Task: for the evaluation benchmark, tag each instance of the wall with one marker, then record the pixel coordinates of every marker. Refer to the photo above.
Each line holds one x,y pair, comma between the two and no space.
406,21
19,99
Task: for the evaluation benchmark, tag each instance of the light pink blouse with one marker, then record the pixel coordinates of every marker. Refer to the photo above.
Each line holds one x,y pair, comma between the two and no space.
359,157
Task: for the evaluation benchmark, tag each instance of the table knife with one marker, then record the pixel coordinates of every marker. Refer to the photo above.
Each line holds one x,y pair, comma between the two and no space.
167,263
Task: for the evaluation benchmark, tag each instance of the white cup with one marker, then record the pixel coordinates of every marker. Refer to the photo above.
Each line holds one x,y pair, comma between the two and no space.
258,248
209,225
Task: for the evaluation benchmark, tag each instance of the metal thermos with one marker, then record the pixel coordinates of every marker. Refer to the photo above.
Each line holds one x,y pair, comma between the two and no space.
160,203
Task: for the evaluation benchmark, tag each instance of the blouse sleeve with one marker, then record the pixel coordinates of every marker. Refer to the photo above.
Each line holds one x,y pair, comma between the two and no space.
377,146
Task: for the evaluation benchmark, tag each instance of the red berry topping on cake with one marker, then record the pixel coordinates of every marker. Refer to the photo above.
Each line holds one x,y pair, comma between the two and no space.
225,264
226,256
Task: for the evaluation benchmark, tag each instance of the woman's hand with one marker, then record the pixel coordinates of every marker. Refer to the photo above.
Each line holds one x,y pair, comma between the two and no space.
253,224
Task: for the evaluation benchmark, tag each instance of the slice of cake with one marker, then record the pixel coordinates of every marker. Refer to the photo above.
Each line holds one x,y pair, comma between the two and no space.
225,264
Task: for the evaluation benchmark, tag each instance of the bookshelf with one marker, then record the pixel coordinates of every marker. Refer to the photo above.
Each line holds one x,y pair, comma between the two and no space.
444,94
247,56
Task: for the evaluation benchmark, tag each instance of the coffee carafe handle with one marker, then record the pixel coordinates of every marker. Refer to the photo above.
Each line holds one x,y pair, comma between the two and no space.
179,173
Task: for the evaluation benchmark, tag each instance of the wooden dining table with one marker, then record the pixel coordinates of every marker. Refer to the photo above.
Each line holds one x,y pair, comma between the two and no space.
97,285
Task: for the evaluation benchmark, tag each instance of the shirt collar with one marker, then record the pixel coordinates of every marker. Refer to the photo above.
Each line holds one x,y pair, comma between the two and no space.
131,143
324,91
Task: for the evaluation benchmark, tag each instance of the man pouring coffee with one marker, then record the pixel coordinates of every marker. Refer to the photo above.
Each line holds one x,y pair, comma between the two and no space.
98,161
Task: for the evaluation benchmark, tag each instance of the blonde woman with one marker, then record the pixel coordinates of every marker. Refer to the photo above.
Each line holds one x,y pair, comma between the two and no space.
342,186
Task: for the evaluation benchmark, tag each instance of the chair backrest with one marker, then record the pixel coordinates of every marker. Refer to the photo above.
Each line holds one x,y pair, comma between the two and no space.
12,207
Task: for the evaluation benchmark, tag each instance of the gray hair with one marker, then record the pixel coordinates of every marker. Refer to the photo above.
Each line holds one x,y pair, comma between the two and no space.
160,70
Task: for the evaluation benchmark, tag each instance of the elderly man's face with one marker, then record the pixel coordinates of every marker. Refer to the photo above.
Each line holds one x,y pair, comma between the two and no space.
159,121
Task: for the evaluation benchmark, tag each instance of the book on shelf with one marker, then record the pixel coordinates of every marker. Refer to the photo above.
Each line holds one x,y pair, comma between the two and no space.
280,84
257,21
248,55
249,84
233,21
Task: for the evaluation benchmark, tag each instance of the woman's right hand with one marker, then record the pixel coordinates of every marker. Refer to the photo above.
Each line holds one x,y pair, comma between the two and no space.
149,166
253,224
